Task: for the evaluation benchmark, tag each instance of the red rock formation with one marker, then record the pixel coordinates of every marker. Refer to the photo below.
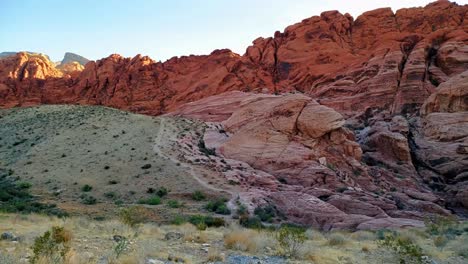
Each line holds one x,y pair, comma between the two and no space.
379,60
308,163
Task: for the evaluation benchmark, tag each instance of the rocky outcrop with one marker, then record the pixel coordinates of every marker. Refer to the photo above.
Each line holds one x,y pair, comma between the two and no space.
380,59
308,163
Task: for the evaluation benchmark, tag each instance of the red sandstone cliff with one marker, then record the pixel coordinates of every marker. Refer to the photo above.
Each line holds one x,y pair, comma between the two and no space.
381,59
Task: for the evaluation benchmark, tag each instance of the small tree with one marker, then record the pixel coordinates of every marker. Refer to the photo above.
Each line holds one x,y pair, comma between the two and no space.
290,240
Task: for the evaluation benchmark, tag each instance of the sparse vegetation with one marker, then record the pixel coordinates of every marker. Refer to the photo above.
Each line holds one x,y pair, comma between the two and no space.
406,250
218,206
86,188
88,199
290,240
161,192
198,196
154,200
266,213
52,246
15,197
174,204
203,221
133,216
250,222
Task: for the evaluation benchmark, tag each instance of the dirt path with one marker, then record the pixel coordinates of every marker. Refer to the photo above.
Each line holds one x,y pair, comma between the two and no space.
157,148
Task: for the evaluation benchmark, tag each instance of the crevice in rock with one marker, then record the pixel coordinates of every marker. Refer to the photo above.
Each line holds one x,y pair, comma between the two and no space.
418,163
397,23
296,129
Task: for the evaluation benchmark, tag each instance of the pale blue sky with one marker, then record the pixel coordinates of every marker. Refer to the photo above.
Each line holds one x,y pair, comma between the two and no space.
160,29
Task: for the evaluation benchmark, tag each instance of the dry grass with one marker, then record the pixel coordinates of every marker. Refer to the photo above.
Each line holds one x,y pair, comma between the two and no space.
215,255
92,240
248,240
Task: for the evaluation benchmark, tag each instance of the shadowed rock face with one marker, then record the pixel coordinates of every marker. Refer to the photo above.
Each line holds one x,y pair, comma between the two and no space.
372,135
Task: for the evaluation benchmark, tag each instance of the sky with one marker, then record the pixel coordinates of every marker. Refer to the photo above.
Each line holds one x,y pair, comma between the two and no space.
157,28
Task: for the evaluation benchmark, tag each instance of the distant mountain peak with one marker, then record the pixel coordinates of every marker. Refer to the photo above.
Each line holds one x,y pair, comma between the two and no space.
70,57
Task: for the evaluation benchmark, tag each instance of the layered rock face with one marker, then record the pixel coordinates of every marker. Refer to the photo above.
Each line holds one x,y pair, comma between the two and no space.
308,163
379,60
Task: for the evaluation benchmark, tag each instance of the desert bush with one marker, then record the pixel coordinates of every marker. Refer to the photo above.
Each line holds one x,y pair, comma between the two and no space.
52,245
88,199
266,213
241,239
241,209
290,240
120,247
174,204
86,188
178,220
442,225
440,241
208,221
133,216
198,196
110,195
250,222
161,192
15,197
405,249
336,239
218,206
214,255
155,200
24,185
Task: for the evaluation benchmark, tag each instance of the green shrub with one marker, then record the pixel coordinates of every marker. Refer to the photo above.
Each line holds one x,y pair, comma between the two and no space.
250,222
161,192
86,188
110,195
336,239
209,221
218,206
290,240
53,245
178,220
134,215
88,200
15,197
24,185
121,247
174,204
198,196
406,250
155,200
443,225
266,213
242,209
